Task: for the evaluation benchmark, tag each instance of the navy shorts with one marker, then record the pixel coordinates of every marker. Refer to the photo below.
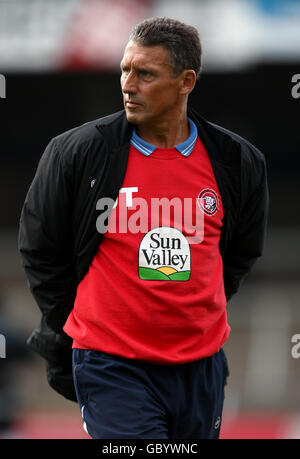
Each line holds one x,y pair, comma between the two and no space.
130,399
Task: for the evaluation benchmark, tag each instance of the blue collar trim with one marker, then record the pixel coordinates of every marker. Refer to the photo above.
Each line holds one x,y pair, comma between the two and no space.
185,148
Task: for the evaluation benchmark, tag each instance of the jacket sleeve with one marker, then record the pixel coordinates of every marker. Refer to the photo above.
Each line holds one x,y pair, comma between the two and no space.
45,244
247,241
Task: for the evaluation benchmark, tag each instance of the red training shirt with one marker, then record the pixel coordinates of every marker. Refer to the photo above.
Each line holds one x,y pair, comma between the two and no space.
154,290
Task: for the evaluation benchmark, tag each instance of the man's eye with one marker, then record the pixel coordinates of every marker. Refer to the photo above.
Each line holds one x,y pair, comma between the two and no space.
146,74
125,70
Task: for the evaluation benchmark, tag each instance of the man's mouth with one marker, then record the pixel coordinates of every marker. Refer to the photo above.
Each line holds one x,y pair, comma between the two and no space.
132,104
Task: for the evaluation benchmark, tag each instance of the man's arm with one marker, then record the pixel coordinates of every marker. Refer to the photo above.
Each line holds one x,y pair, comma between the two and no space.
247,242
45,244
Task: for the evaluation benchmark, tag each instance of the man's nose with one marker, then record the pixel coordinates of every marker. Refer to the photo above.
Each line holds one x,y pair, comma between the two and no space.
129,83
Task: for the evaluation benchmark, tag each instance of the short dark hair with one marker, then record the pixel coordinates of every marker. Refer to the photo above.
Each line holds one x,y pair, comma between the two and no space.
181,40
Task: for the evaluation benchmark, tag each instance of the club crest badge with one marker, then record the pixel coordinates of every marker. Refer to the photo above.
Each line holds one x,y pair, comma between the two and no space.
208,201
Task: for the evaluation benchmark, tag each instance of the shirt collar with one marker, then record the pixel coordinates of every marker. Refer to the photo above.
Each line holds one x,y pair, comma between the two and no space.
185,148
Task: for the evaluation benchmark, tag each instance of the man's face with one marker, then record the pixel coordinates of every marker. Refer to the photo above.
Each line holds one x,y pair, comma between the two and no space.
151,95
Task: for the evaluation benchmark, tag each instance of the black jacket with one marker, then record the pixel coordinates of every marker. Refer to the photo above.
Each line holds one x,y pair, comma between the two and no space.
58,236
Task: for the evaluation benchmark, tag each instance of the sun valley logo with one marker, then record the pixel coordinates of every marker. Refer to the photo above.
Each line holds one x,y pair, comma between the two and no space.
164,254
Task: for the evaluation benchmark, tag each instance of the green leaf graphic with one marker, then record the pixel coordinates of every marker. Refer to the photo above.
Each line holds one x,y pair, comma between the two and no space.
153,274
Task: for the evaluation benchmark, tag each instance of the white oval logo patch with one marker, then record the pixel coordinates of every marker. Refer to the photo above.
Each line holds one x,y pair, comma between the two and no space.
164,254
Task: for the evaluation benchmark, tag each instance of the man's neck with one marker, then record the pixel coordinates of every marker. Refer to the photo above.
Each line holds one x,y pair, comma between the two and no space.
166,134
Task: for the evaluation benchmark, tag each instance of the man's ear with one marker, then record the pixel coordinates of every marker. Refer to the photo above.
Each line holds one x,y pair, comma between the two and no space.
188,81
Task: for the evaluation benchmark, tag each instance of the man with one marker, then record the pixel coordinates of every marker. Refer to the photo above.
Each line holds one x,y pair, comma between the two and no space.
136,231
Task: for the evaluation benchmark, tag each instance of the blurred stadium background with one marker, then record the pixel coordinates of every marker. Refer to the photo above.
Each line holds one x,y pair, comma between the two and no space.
61,59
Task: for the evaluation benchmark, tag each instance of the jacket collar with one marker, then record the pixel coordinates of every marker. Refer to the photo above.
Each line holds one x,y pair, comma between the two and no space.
221,144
